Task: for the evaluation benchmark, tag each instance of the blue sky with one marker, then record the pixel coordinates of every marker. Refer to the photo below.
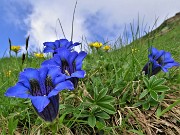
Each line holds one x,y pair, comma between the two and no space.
12,26
96,20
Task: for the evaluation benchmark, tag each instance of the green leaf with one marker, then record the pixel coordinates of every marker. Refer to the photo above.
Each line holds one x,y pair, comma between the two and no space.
100,125
95,93
145,80
92,121
12,125
90,100
102,115
106,99
102,93
154,95
152,80
161,97
61,119
153,102
125,95
177,102
115,90
158,82
84,114
146,106
158,112
143,94
138,104
107,108
161,88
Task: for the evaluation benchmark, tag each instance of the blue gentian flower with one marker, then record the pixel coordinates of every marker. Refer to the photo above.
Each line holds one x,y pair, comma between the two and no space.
70,63
42,87
52,46
159,60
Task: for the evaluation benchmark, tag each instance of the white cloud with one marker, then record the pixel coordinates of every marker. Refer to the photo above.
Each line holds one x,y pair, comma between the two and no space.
111,16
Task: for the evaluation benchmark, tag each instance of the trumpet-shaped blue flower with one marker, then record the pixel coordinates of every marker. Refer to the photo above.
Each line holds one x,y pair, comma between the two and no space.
70,63
42,87
159,60
52,46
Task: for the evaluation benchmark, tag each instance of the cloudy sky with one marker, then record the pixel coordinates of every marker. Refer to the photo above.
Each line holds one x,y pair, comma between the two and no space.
100,20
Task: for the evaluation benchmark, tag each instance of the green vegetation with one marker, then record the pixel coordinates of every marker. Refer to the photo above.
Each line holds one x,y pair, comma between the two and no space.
112,99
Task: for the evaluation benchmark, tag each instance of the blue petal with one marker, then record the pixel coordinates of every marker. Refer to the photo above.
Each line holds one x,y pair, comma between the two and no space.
170,65
59,78
167,58
63,42
48,49
72,57
63,53
78,74
76,43
49,62
25,82
155,54
43,72
159,54
57,44
61,86
55,72
69,45
153,51
79,60
57,59
164,69
30,73
39,102
17,91
49,44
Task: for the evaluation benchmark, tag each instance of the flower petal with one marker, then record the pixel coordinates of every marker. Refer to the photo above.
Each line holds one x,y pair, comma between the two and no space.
61,86
18,90
57,44
170,65
55,72
63,53
48,49
79,60
59,78
76,43
43,72
78,74
153,51
30,73
72,57
39,102
49,62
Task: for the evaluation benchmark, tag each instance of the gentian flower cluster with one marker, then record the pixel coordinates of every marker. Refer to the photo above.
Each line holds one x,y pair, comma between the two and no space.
42,85
70,63
52,46
159,60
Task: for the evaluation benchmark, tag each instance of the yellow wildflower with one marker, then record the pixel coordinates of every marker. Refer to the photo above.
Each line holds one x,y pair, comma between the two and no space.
15,48
91,44
39,55
106,48
97,44
134,50
8,73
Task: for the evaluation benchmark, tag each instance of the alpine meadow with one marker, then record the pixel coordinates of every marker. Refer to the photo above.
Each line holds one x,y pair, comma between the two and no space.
128,88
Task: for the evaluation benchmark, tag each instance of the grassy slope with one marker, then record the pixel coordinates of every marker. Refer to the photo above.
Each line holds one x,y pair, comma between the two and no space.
115,71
